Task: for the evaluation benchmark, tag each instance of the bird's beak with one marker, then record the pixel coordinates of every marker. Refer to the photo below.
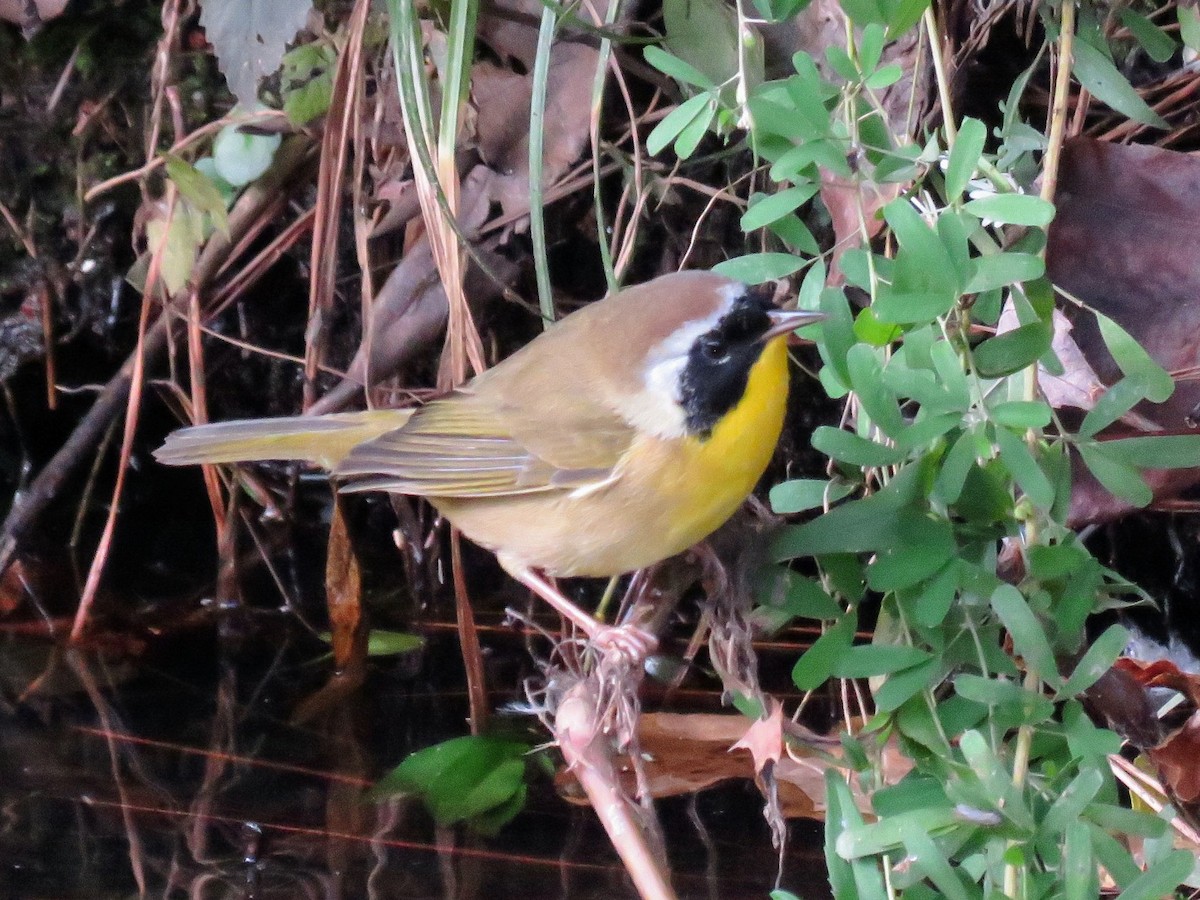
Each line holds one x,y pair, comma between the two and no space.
785,321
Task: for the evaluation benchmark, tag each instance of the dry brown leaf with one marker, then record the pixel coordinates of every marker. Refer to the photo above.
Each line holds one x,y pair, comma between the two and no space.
343,590
1124,241
1176,755
502,100
687,753
31,15
764,738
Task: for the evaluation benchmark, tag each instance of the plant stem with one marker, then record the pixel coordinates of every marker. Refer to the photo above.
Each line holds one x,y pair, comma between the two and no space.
605,54
537,114
1062,94
939,71
1058,118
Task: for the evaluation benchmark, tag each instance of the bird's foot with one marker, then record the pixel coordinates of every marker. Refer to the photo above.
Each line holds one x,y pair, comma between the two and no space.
623,645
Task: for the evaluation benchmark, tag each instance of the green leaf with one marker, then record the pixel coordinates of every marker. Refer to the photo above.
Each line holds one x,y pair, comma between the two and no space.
795,235
683,72
308,100
1071,801
866,378
1012,209
676,121
949,368
1159,46
768,209
870,46
887,835
817,663
903,15
755,268
1001,269
1096,72
907,307
1131,821
932,599
906,684
1027,633
1021,414
801,494
704,34
1113,856
1120,478
807,599
860,526
859,878
1053,562
995,778
841,63
1023,466
948,485
867,660
884,77
1026,705
199,190
864,12
1176,451
1162,878
461,778
1113,403
850,448
494,787
1157,386
870,330
964,157
926,856
915,235
927,428
386,643
1013,350
913,792
692,133
1096,661
775,11
1189,26
180,239
837,332
1079,864
491,820
925,547
796,161
241,157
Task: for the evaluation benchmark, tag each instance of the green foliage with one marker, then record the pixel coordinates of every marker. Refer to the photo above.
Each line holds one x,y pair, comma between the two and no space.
950,455
478,780
306,80
242,156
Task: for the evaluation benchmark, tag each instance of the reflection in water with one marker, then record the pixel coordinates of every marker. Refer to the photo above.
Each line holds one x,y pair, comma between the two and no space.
171,767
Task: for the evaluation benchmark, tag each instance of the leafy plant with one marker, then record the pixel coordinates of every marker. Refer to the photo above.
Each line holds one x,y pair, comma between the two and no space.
478,780
952,455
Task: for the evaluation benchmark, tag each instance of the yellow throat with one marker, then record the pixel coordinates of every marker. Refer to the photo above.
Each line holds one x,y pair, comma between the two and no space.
721,470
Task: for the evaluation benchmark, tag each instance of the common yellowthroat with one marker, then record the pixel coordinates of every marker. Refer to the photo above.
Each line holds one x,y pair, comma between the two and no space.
622,435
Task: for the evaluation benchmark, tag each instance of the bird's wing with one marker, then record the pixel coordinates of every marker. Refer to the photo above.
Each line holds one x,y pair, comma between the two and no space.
466,445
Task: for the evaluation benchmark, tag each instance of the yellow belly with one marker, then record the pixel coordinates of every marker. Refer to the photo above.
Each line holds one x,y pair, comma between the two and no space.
666,496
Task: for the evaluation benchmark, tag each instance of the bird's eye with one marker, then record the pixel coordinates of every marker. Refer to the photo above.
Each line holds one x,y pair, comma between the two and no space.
713,349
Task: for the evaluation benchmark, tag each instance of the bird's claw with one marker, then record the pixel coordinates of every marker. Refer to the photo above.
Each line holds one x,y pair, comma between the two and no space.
625,643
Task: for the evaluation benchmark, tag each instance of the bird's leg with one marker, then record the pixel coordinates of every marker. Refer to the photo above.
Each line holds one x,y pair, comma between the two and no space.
632,642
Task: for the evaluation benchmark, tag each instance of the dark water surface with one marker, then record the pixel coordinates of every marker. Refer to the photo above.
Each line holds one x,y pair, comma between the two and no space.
169,762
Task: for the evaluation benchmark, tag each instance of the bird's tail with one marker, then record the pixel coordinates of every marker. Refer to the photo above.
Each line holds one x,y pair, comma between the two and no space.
322,440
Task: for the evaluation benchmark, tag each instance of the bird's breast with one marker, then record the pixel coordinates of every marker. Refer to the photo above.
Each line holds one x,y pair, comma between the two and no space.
665,495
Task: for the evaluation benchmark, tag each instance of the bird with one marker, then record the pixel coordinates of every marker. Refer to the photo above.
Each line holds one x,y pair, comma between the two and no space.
623,434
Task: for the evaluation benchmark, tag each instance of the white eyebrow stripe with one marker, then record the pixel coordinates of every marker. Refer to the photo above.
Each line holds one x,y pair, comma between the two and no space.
657,410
